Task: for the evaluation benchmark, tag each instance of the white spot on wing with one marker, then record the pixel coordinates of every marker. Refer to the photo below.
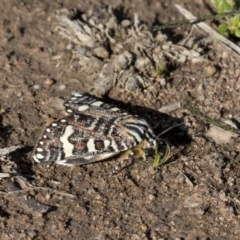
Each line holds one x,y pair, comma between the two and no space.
63,120
115,109
114,146
39,156
91,145
54,124
35,159
48,130
106,143
97,104
41,142
69,110
39,149
83,108
67,146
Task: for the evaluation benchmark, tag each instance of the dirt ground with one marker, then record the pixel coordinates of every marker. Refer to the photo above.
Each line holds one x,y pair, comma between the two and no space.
193,196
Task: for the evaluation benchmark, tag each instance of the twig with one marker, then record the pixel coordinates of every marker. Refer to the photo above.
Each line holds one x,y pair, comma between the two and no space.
56,191
224,42
30,203
194,20
7,150
31,187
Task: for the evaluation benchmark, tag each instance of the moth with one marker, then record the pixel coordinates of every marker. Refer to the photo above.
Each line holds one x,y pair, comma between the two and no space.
93,131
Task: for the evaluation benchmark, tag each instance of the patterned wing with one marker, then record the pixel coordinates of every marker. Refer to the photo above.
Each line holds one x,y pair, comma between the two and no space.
80,139
91,133
82,103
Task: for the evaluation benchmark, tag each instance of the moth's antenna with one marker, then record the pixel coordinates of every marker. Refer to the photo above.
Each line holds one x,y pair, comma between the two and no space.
169,129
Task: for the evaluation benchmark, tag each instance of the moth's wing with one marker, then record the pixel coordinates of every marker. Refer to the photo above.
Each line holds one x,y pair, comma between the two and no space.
89,105
80,139
75,160
94,131
83,104
50,147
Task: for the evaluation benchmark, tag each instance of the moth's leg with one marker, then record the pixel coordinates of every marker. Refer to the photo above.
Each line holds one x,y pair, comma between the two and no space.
136,151
139,153
122,161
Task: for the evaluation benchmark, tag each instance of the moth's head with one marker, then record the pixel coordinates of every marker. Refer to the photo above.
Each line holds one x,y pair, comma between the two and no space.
153,143
149,144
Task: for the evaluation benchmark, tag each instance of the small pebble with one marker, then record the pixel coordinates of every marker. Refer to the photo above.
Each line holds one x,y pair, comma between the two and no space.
150,197
2,110
32,233
162,81
62,87
144,227
69,46
225,55
211,70
193,201
101,52
221,136
47,196
49,81
56,103
126,23
231,209
19,94
36,86
136,237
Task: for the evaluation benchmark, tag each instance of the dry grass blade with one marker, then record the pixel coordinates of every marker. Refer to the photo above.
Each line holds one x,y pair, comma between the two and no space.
30,203
216,122
7,150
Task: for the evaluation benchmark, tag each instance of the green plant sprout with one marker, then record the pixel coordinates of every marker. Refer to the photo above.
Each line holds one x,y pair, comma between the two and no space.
232,25
160,69
160,160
